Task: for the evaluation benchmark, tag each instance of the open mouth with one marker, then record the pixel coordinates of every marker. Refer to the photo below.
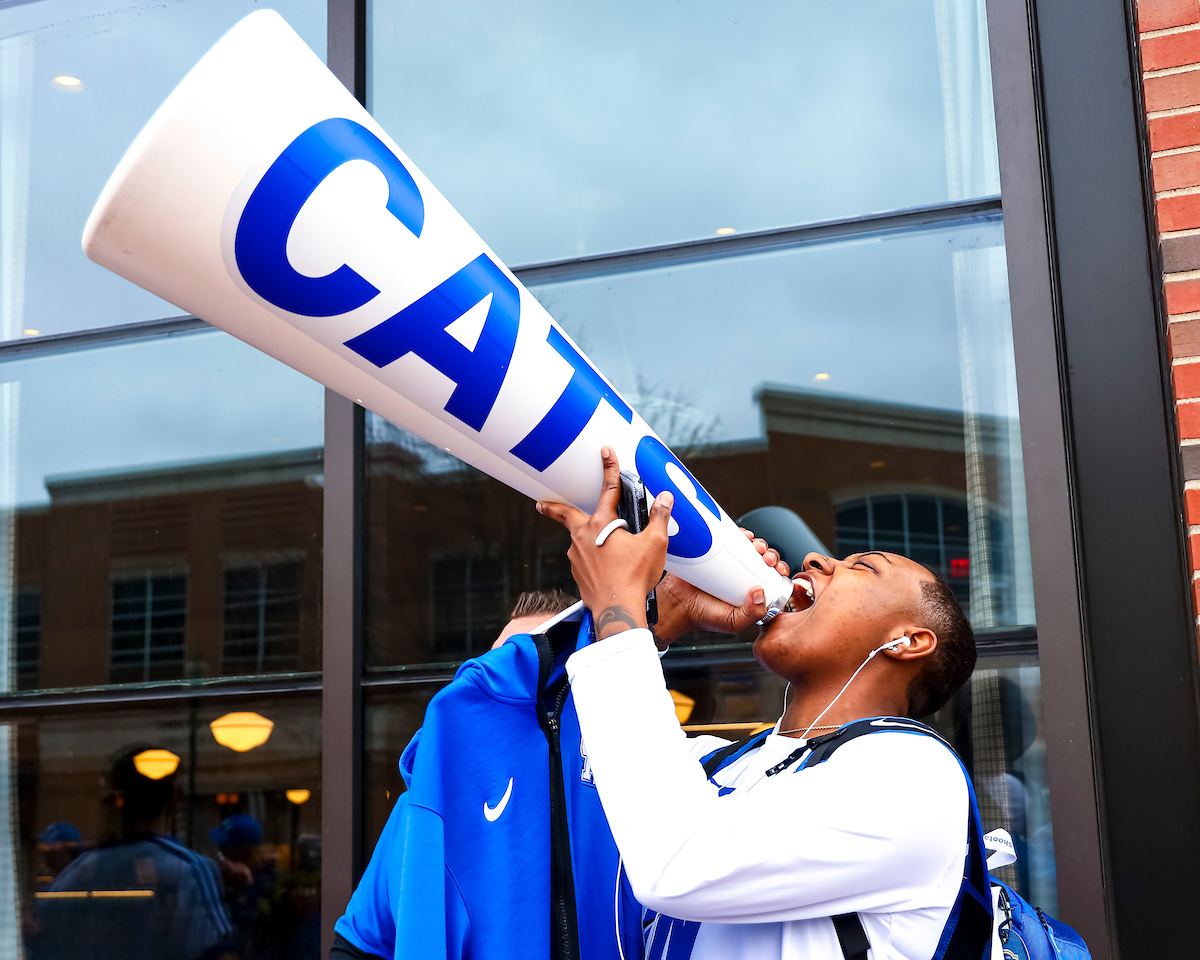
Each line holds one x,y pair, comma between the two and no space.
803,594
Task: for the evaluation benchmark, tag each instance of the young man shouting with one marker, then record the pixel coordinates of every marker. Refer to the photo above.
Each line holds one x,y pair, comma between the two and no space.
755,862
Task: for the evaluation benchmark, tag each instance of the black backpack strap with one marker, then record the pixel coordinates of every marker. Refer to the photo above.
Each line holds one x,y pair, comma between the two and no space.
823,747
725,755
851,936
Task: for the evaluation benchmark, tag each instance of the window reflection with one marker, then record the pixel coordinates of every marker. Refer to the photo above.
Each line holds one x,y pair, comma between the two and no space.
559,130
910,442
167,498
60,141
136,834
995,723
390,718
449,550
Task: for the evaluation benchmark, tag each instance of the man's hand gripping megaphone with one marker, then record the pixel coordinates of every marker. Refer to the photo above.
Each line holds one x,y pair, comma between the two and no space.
615,573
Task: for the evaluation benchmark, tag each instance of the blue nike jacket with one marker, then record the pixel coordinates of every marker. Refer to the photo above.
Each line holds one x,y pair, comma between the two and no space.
500,847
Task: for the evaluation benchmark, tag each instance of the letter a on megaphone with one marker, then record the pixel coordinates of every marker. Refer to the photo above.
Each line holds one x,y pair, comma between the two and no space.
281,212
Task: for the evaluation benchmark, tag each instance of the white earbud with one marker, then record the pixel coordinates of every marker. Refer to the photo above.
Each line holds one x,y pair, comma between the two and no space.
892,645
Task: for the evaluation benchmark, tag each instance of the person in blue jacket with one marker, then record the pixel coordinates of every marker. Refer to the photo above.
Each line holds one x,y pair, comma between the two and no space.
471,860
368,927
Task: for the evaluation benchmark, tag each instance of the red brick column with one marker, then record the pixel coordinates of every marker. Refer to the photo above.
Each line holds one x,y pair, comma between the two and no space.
1170,42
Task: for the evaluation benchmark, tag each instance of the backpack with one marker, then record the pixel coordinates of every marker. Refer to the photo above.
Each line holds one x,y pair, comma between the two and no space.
987,910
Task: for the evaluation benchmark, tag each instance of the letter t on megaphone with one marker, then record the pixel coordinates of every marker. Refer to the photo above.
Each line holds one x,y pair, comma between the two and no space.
262,197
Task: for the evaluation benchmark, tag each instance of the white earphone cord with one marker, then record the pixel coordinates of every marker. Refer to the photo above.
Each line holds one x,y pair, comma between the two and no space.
891,644
617,908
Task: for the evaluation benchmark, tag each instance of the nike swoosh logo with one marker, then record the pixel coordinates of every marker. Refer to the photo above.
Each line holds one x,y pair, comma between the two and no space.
493,813
892,723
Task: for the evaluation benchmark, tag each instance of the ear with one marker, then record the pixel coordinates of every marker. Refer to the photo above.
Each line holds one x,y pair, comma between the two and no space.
923,642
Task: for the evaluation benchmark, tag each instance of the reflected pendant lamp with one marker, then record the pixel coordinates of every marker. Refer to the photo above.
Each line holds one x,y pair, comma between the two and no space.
156,764
241,731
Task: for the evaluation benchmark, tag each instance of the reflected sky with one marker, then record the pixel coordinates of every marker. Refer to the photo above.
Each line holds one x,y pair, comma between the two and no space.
203,396
877,317
129,56
686,345
562,129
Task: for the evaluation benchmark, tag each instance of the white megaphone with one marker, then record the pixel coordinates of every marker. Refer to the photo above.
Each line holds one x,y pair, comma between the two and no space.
264,199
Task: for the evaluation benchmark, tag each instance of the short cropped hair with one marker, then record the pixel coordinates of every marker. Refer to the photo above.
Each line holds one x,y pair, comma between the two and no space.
951,664
533,603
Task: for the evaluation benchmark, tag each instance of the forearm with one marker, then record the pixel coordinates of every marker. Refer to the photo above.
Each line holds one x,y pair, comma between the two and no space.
638,753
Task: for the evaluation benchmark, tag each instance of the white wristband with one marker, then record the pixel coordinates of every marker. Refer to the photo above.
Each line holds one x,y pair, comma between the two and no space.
617,524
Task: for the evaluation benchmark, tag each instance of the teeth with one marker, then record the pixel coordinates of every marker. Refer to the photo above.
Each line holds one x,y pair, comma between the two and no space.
808,590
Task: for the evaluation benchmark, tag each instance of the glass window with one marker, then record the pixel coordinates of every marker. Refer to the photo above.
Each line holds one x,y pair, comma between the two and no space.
390,718
79,79
566,129
154,832
869,388
162,501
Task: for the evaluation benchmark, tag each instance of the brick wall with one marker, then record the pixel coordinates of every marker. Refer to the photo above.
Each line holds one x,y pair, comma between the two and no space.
1170,42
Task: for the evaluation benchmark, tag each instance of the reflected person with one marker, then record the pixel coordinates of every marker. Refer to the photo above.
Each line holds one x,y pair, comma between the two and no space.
59,844
141,893
248,873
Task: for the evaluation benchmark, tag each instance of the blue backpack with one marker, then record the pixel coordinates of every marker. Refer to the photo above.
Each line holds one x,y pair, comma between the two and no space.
986,911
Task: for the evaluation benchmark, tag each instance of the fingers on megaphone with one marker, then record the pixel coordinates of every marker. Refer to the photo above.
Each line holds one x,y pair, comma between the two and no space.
752,610
660,514
604,520
610,488
768,553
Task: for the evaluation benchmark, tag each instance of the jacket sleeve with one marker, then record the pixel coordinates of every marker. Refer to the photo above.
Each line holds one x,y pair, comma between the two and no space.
369,922
881,826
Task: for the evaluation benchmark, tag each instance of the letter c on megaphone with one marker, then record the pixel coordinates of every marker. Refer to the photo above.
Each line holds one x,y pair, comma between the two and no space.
230,194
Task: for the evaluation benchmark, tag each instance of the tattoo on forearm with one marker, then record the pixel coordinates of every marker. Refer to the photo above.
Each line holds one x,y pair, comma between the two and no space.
611,617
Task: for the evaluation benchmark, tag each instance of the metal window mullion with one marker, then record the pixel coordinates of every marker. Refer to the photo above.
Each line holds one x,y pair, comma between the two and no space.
342,553
341,660
148,631
943,565
262,616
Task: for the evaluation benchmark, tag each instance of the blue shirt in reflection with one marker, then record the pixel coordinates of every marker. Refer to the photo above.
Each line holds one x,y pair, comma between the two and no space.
149,898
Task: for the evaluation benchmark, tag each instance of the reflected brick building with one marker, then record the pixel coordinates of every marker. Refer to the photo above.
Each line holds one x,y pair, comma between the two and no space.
209,570
199,570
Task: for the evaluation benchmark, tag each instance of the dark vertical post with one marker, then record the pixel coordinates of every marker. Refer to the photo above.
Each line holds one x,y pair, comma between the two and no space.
1045,428
346,53
341,703
341,711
